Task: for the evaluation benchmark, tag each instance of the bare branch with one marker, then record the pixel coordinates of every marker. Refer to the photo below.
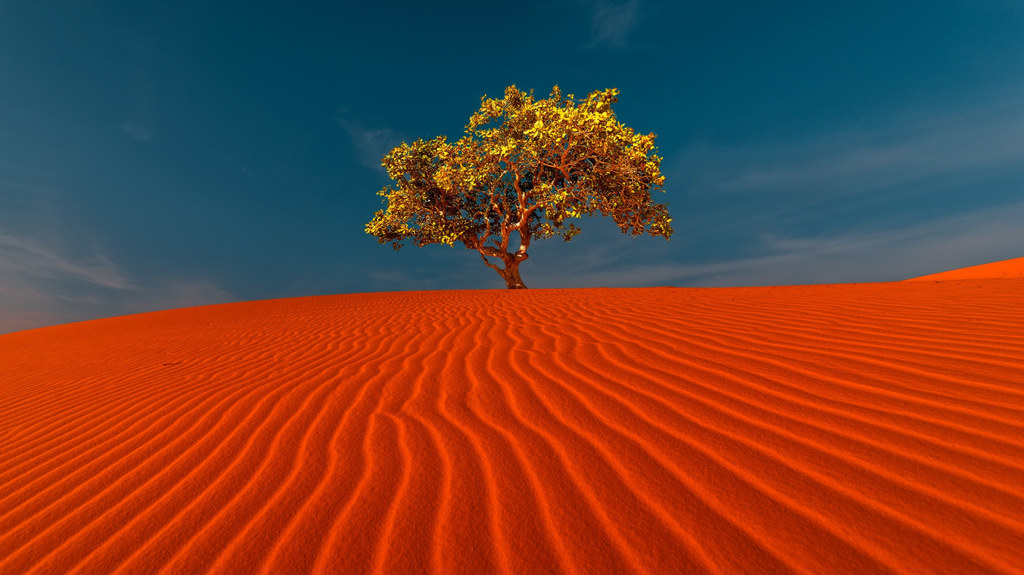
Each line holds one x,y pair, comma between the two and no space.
489,264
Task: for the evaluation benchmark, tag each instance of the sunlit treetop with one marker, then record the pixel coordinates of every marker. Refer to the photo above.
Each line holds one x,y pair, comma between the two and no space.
526,165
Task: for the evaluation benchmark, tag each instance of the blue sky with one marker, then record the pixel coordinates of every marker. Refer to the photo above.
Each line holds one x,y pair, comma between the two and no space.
168,154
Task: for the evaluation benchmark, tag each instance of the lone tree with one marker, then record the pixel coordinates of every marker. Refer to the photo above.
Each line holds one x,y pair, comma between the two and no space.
527,166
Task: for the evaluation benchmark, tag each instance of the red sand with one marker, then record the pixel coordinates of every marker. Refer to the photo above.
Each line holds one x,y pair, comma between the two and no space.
1005,269
861,428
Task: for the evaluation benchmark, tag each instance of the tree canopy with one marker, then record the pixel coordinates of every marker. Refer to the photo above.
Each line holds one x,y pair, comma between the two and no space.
526,165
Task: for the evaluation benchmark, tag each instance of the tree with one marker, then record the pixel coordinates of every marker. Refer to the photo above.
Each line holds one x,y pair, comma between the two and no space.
525,165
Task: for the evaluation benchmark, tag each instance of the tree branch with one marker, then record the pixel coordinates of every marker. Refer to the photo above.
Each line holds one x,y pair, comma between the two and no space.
489,264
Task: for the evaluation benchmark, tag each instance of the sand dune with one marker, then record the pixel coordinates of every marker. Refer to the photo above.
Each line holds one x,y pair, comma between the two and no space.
1003,269
862,428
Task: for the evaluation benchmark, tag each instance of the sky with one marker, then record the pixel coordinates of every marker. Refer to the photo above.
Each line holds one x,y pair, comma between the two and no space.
157,155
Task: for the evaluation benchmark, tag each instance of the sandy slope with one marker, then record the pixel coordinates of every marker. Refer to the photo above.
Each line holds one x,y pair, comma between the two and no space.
865,428
1003,269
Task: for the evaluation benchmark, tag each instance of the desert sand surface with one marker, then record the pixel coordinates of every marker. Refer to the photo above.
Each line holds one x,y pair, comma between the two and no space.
1002,269
828,429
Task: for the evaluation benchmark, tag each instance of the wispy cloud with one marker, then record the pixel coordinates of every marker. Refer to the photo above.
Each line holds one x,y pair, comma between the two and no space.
40,285
51,275
611,22
43,284
30,259
929,190
371,144
918,147
885,255
136,131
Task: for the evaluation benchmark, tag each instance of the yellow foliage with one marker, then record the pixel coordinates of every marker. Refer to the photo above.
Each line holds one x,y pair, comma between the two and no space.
525,165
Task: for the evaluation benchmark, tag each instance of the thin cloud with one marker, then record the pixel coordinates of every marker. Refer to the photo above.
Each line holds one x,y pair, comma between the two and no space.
29,258
952,142
611,22
40,284
371,144
883,255
136,132
43,284
53,273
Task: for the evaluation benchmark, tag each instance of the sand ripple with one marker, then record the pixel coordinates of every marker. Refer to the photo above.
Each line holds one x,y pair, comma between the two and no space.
862,428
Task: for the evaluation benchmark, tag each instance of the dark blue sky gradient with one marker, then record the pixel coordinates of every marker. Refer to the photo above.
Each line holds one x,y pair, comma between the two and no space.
157,155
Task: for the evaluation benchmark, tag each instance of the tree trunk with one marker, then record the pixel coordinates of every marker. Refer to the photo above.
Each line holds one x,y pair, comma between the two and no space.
511,274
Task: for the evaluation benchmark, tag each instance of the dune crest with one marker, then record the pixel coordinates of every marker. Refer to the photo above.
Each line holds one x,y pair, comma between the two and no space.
862,428
1013,268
